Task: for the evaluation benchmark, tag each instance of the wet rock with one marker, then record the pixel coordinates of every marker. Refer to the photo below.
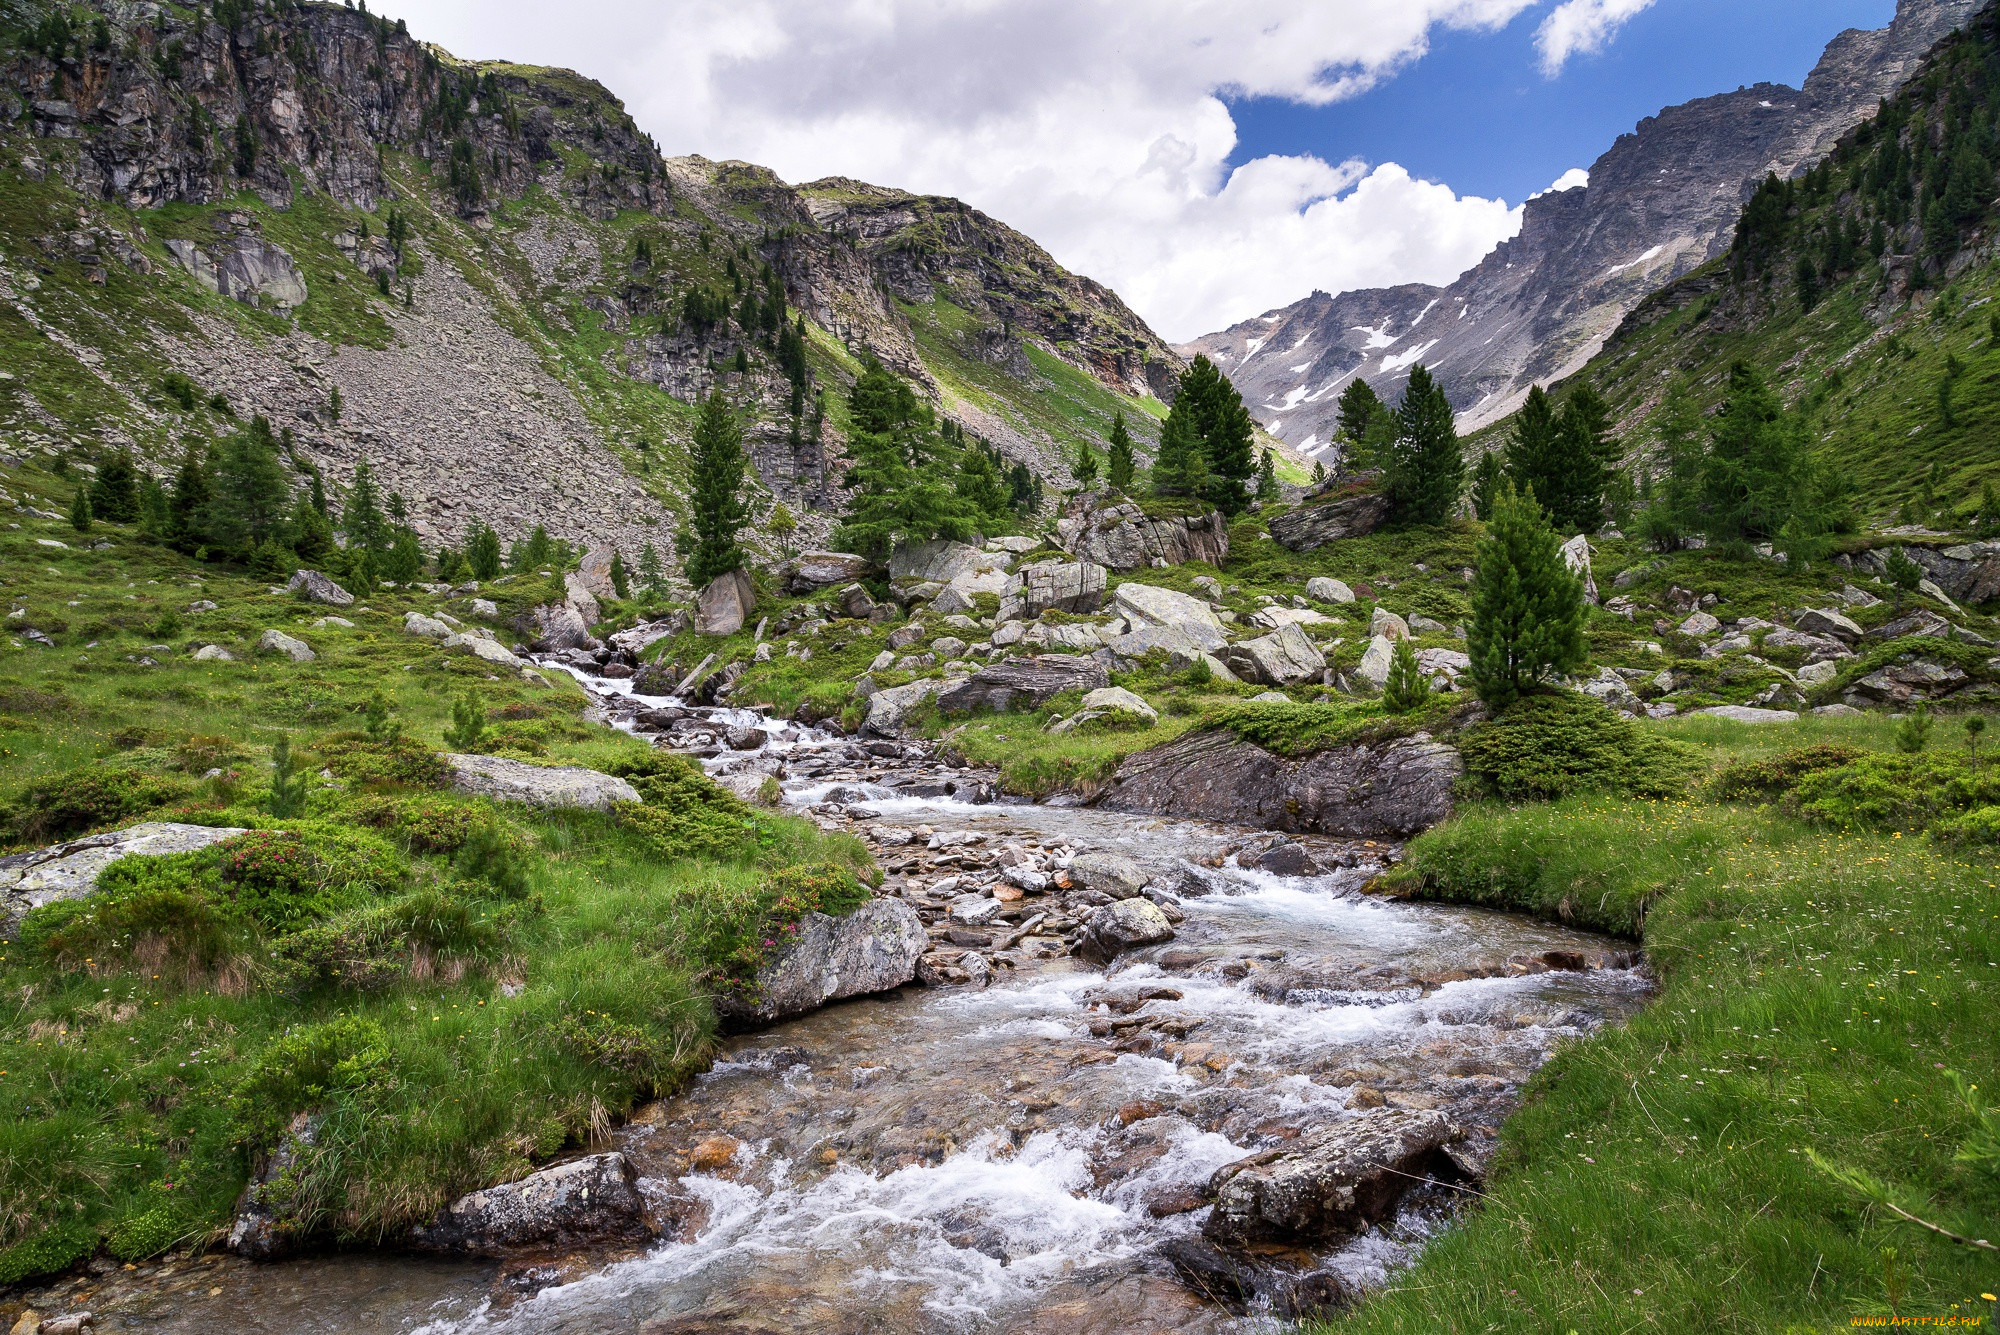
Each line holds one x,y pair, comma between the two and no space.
725,604
1394,790
1325,589
1313,526
1022,683
1332,1181
317,588
537,785
585,1201
1209,1271
1111,874
1128,924
975,910
1288,859
70,870
747,739
873,949
277,642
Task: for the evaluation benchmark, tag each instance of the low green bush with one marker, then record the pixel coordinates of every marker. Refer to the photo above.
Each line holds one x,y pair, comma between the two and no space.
298,1072
149,1232
1979,826
1897,791
397,760
1301,730
48,1252
424,824
682,812
1768,780
66,805
761,923
283,879
1549,746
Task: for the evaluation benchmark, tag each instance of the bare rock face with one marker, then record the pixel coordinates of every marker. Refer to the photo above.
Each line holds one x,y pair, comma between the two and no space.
1055,586
1332,1181
1023,683
317,588
823,570
1122,537
1313,526
941,561
888,710
1285,657
589,1200
873,949
554,626
1363,792
246,269
725,604
537,785
70,870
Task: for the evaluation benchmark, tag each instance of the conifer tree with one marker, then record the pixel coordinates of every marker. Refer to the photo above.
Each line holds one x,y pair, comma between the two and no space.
1119,464
1406,689
716,511
1427,472
1527,606
981,486
1180,469
187,509
361,521
652,575
1358,405
1584,456
249,491
482,551
114,493
404,561
1084,467
79,509
1267,479
1531,454
901,484
621,582
1227,435
1486,481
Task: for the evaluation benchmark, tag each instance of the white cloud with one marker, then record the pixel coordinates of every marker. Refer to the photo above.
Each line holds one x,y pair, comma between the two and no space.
1574,179
1582,27
1099,128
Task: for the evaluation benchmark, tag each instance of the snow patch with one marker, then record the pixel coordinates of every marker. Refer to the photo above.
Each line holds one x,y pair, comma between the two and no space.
1403,361
1376,338
1620,268
1422,313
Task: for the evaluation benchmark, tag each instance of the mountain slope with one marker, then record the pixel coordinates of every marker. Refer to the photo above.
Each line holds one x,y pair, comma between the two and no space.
213,194
1661,201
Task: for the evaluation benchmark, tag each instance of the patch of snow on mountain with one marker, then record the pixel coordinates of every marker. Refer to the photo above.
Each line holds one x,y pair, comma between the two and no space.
1376,337
1403,361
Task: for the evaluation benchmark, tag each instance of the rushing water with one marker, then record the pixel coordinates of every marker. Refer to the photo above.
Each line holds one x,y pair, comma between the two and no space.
1014,1158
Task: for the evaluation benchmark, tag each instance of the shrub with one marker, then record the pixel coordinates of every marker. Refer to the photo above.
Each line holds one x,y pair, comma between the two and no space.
1979,826
283,880
66,805
425,824
150,1232
1407,689
1894,791
203,752
300,1071
351,756
490,856
173,927
48,1252
1768,780
682,813
1548,746
1302,730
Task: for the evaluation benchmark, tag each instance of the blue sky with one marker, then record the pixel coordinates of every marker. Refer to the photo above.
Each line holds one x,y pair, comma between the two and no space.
1477,114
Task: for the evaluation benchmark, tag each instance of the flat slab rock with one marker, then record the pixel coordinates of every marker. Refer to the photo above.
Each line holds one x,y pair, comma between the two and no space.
537,785
1023,683
1331,1181
70,870
873,949
1392,790
590,1200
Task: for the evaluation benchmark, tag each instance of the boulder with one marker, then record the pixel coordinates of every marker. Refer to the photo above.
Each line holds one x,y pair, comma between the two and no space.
723,607
1023,683
1118,700
1283,658
1699,624
428,628
1826,622
1288,859
813,571
873,949
213,653
581,594
1144,605
586,1201
1312,526
854,601
1576,555
1324,589
941,561
485,647
1182,644
1270,618
1111,874
1126,925
887,710
1821,646
1818,674
1391,790
1336,1180
1745,714
1122,537
1375,662
1388,625
1054,586
70,870
317,588
537,785
244,268
1920,622
277,642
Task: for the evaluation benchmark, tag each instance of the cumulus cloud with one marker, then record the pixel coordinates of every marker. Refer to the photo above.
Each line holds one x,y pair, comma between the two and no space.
1573,179
1101,130
1582,27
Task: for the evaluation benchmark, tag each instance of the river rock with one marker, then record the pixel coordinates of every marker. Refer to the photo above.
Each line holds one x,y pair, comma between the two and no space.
69,870
1324,589
1332,1181
1283,658
723,607
873,949
974,910
277,642
1312,526
317,588
1054,586
813,571
1023,683
1111,874
537,785
585,1201
1129,924
1123,537
1824,621
1363,792
1288,859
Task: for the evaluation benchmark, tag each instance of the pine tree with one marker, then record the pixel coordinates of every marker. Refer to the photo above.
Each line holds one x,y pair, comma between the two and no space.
621,583
310,532
1120,465
114,493
716,512
187,508
1585,454
482,551
333,403
652,575
782,524
1084,467
1428,470
1486,481
1227,435
288,782
1180,468
404,562
1753,467
1527,606
1358,406
1267,479
79,509
901,485
1531,454
361,521
981,486
468,724
1406,689
249,493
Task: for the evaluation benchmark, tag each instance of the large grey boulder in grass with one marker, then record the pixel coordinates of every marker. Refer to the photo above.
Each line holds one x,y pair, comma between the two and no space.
1146,606
1326,589
1023,683
1333,1181
1825,621
484,646
1285,657
590,1200
70,870
1121,536
537,785
888,710
428,628
1054,586
1391,790
556,626
942,561
723,607
317,588
1312,526
873,949
277,642
823,570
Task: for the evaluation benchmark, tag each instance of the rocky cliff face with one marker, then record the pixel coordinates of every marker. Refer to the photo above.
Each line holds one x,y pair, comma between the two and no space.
1661,201
211,194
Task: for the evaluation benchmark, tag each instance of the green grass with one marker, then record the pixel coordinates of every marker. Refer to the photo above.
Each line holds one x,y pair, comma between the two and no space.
1816,991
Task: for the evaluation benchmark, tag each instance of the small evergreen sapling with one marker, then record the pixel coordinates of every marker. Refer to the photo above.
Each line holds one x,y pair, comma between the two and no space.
783,524
1406,689
79,510
468,725
652,577
1119,465
1913,734
1084,469
1267,479
1903,574
1975,724
482,551
288,782
621,583
378,722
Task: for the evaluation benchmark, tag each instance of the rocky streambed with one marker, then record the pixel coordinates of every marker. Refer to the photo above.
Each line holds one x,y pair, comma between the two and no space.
1154,1074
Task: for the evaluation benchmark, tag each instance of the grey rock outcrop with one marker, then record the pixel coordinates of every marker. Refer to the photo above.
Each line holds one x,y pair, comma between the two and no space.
1055,586
1338,1179
725,604
1145,606
1325,589
1111,874
247,269
1828,622
1309,527
277,642
1285,657
1122,537
537,785
555,626
586,1201
941,561
1392,790
873,949
889,709
1023,683
70,870
423,627
317,588
824,570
